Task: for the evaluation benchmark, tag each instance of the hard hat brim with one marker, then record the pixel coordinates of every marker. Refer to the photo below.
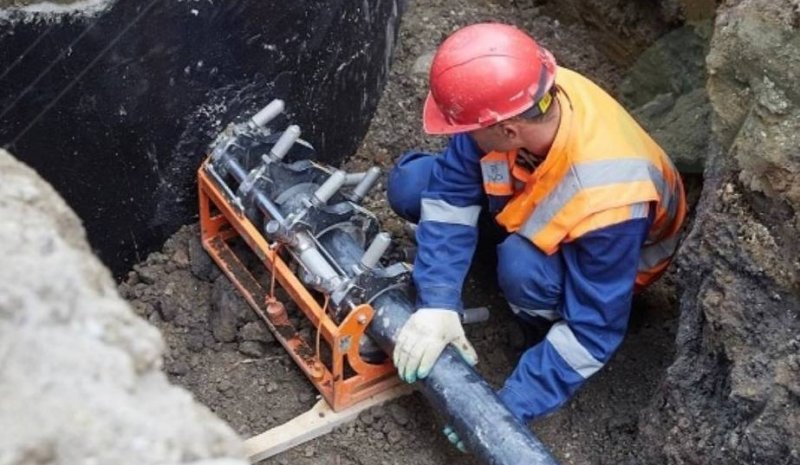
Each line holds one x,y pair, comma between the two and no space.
435,123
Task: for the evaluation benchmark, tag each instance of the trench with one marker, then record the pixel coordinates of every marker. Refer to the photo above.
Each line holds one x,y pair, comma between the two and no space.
254,385
222,353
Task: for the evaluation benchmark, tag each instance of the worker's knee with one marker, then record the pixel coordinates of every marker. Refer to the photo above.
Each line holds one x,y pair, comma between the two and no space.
531,280
407,180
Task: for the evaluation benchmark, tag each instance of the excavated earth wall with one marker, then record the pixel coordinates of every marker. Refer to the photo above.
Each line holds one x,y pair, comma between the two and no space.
732,394
80,373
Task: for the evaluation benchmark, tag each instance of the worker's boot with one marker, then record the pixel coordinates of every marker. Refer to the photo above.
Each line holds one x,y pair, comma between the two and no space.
525,332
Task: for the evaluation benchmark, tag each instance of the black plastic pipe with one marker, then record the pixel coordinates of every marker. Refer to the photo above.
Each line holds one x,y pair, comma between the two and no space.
454,388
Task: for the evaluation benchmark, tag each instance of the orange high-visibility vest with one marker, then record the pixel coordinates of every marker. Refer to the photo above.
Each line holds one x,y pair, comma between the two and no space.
602,169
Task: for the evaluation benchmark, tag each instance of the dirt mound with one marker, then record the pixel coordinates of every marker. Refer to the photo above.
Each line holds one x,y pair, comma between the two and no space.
81,378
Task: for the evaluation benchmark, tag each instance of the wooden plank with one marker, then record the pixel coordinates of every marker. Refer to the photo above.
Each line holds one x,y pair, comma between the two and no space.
318,421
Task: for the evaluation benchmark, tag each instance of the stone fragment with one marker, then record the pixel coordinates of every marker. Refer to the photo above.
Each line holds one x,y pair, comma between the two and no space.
200,263
252,349
398,414
227,310
255,331
178,368
181,258
147,274
422,64
394,436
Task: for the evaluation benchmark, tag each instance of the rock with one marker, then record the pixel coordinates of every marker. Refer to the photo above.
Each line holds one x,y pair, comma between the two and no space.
133,278
155,319
366,417
252,348
195,341
147,274
200,263
309,451
255,331
181,258
77,362
157,258
305,397
182,318
178,368
167,309
227,310
665,91
142,309
271,387
394,436
725,397
423,63
658,106
224,385
398,414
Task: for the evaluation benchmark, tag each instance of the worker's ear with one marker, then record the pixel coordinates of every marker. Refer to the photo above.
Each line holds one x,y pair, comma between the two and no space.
509,129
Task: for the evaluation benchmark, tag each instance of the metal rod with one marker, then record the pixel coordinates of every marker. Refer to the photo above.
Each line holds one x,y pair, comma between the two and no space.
269,208
235,169
285,143
376,250
363,187
267,114
330,187
474,315
354,178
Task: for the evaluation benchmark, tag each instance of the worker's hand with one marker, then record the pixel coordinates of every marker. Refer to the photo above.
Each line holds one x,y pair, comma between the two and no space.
423,338
452,436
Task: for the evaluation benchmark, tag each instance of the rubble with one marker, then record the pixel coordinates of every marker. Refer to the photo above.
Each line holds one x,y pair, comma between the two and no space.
81,377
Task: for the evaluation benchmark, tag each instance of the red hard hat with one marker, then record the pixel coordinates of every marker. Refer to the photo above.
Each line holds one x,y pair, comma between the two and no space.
483,74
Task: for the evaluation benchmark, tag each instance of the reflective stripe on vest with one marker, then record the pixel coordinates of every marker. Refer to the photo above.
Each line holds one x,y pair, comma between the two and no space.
621,179
585,176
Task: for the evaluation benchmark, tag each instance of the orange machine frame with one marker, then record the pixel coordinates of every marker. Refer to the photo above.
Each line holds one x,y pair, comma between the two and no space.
343,339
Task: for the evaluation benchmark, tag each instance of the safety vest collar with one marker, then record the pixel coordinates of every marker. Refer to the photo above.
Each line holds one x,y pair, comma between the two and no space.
501,176
562,134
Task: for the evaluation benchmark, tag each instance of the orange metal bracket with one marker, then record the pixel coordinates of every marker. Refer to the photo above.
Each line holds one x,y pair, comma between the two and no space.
220,222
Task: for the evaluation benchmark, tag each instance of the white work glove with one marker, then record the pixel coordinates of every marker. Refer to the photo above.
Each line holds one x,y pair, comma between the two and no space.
452,436
423,338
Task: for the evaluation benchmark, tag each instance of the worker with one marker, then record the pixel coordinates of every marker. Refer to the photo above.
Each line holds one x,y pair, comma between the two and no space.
592,207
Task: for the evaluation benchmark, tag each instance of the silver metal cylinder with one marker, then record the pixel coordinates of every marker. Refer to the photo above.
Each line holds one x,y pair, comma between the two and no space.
285,143
376,250
268,113
354,178
330,187
315,263
363,187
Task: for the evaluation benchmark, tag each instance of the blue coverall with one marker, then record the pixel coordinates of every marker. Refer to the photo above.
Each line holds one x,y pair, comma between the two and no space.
585,288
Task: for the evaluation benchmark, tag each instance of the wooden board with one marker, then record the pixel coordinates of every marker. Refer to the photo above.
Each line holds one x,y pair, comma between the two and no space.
319,420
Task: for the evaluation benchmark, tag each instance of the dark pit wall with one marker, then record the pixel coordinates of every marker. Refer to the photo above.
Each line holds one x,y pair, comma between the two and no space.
115,102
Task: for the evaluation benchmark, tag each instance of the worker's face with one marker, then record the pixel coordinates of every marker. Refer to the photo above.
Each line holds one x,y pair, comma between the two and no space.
500,137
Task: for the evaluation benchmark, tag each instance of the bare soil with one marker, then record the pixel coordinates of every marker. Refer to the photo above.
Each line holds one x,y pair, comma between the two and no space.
224,355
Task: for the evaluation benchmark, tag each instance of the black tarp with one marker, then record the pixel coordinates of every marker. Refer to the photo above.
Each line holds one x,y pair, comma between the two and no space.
117,109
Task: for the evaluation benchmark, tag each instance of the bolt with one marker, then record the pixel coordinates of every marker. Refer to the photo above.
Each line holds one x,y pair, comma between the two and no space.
362,319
